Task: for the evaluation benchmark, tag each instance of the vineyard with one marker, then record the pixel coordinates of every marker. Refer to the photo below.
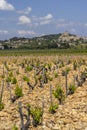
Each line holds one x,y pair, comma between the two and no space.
43,92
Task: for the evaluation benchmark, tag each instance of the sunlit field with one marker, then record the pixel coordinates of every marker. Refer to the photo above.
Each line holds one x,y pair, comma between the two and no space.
38,92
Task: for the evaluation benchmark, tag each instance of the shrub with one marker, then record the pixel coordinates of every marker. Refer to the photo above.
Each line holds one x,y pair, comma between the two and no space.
17,72
68,62
83,76
46,76
63,73
49,66
14,127
25,78
1,106
8,79
10,74
55,75
3,76
36,114
59,94
50,78
18,91
14,80
29,68
72,89
40,77
66,71
62,64
22,65
52,108
59,65
75,65
6,66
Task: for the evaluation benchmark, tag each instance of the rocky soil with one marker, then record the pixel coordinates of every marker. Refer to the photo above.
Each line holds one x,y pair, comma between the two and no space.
72,115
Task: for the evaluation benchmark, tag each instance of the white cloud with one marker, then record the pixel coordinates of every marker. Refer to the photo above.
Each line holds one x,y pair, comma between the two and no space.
26,32
4,5
24,20
49,16
43,20
4,32
25,11
36,21
46,19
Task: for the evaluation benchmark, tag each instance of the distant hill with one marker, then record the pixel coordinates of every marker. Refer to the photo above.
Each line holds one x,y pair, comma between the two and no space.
52,41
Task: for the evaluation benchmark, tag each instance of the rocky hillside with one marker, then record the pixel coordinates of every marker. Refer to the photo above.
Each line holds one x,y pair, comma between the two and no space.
60,41
68,37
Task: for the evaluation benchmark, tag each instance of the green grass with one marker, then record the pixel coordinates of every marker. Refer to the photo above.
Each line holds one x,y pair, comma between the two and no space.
42,52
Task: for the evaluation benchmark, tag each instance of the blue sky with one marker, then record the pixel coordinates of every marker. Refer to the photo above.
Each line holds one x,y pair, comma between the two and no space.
30,18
